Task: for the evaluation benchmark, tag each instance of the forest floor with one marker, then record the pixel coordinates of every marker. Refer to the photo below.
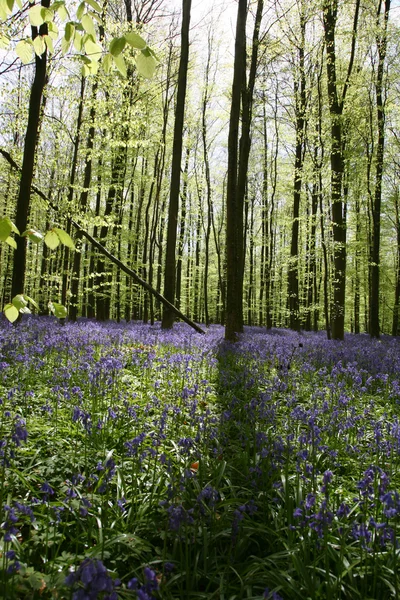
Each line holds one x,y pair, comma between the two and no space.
138,463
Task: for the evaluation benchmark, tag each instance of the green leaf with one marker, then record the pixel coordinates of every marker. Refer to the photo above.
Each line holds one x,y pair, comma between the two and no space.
78,42
58,310
47,15
107,63
63,12
96,17
120,64
19,301
11,312
4,42
80,11
88,25
15,228
5,228
5,8
65,46
146,63
32,301
49,43
35,15
51,239
94,5
38,45
135,40
93,50
117,45
24,50
65,238
53,30
33,235
69,31
57,5
11,242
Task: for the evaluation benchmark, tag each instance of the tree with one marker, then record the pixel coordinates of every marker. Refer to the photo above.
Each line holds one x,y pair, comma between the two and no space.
336,106
173,209
300,125
381,43
28,162
234,208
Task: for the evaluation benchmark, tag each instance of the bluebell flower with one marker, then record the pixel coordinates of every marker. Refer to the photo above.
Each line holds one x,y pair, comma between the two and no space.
47,489
146,590
271,595
92,581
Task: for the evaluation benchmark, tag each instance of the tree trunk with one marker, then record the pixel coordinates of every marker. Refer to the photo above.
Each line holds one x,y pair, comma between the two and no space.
234,204
381,42
66,260
300,104
28,162
182,228
173,209
336,105
83,201
396,308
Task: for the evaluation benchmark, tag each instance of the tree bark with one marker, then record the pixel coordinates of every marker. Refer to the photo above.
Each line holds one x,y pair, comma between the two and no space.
336,105
28,161
173,209
381,42
234,206
300,105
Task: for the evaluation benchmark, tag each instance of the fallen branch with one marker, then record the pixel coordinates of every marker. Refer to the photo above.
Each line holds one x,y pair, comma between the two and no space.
108,254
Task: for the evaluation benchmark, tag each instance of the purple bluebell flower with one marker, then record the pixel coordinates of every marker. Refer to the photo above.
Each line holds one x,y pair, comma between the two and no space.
92,581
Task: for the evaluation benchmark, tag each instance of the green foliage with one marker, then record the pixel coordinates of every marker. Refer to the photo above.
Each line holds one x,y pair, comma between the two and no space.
58,310
18,305
146,63
89,50
52,239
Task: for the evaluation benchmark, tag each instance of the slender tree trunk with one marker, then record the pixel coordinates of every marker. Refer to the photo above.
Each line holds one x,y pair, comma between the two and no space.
28,161
173,209
336,106
381,42
396,308
83,201
234,203
300,102
66,260
182,228
357,266
205,102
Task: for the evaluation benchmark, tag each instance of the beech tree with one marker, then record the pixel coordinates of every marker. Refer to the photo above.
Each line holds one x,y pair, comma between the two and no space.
337,99
170,258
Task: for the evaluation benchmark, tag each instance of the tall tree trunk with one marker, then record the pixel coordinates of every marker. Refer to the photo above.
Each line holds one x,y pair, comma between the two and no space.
83,201
357,266
336,106
234,204
182,228
251,282
300,104
381,42
66,259
205,102
173,209
396,308
28,162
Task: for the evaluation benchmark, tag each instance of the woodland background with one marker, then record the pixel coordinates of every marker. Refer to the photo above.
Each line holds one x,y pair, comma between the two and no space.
286,210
